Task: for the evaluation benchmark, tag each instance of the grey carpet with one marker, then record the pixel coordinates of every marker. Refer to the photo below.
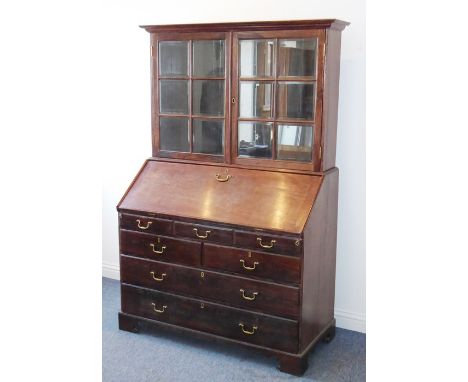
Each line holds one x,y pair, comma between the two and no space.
128,357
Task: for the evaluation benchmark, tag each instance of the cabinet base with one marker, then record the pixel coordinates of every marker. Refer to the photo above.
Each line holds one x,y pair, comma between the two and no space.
295,364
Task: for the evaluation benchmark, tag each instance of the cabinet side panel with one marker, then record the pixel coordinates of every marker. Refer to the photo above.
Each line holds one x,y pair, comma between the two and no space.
318,293
330,99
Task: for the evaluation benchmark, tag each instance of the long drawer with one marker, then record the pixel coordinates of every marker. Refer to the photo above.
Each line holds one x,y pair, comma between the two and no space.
213,318
281,300
160,248
279,268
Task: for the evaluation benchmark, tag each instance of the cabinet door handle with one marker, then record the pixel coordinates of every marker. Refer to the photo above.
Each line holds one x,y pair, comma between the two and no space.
159,310
249,268
272,243
254,328
220,178
158,278
201,236
254,294
143,227
163,247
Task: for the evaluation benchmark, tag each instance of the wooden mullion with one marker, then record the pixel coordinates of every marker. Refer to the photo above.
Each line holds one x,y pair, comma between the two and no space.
253,119
259,79
276,69
210,117
190,95
205,78
173,77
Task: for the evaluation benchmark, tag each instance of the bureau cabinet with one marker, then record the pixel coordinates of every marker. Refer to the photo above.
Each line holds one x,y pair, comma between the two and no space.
228,232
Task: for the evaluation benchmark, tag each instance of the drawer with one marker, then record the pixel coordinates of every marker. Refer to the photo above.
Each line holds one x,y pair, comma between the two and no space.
146,224
259,329
285,245
160,248
278,268
241,292
203,232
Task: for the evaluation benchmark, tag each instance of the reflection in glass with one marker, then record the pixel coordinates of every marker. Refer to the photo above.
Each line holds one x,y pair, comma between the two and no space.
173,58
208,97
295,100
294,142
208,58
208,136
173,96
173,134
255,99
297,57
256,58
255,139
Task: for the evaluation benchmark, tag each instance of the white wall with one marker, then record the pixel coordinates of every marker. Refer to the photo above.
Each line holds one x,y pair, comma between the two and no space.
120,56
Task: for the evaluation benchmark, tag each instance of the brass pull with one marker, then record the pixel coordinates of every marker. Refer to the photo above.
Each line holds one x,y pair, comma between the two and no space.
254,328
157,310
259,239
140,226
157,278
201,236
249,268
254,294
220,178
163,247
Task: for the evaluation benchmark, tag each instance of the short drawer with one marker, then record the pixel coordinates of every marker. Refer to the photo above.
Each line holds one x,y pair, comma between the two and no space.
261,296
278,268
203,232
285,245
146,224
273,332
160,248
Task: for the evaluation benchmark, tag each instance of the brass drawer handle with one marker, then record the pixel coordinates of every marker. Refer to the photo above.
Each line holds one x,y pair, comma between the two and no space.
201,236
272,243
140,226
157,310
249,268
254,294
254,328
163,247
220,178
158,278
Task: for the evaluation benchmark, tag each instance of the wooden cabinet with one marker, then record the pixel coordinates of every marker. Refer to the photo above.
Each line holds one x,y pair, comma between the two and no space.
229,231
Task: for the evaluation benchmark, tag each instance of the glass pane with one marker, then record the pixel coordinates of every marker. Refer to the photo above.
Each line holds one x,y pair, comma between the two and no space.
173,134
173,96
255,99
208,97
208,136
296,100
294,143
173,58
256,58
297,57
208,58
255,139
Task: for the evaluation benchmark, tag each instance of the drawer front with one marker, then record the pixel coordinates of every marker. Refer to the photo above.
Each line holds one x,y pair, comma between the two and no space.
278,268
269,243
281,300
203,232
146,224
233,323
160,248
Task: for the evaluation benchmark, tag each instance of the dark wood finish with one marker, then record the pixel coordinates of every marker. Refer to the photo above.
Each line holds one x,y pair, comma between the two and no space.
291,364
198,231
146,224
209,317
252,263
279,244
161,248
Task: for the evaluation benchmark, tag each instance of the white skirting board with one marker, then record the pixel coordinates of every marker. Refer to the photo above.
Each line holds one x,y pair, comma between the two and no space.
344,319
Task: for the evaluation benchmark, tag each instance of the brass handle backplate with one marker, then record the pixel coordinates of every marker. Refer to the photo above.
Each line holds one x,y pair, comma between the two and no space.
163,247
254,294
201,236
272,243
220,178
254,328
249,268
158,278
159,310
143,227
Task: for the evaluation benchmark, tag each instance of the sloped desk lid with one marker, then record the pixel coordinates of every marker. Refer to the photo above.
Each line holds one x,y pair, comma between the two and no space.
254,198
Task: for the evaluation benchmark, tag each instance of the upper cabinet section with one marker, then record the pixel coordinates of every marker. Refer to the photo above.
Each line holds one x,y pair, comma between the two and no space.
262,95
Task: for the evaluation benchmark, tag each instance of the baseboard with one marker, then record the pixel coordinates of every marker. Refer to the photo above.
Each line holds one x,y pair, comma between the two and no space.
344,319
